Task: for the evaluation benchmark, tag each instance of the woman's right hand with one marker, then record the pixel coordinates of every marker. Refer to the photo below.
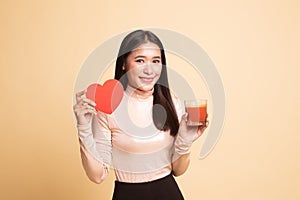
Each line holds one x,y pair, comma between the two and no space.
84,108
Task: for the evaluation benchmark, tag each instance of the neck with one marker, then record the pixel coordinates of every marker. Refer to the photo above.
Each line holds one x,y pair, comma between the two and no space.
138,93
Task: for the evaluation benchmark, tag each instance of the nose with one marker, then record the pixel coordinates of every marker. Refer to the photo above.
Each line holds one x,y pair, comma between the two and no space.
148,69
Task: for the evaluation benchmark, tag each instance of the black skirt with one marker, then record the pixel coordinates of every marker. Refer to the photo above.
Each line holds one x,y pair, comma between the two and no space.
162,189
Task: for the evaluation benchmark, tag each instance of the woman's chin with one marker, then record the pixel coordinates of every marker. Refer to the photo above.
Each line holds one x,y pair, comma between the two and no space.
146,87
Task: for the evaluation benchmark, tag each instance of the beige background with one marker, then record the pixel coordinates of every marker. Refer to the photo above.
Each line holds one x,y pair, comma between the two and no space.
254,44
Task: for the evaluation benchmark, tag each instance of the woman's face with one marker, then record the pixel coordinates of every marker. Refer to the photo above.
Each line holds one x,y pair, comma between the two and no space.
143,66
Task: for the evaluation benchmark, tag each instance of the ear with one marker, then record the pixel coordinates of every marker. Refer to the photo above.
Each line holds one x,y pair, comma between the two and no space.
123,67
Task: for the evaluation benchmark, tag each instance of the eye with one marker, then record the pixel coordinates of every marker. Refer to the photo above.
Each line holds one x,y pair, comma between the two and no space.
139,60
156,61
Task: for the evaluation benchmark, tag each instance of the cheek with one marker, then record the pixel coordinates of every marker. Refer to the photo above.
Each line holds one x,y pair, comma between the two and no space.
133,74
157,70
134,71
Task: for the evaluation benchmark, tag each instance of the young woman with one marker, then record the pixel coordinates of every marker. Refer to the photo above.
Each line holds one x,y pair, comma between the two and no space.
144,160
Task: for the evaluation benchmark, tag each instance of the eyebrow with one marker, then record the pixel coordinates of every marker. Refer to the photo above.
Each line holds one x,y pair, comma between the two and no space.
141,56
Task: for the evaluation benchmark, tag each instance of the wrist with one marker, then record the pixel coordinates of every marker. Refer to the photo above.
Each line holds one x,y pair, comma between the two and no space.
84,130
83,126
182,146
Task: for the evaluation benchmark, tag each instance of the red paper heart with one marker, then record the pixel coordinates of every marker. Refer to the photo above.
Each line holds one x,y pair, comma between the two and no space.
107,97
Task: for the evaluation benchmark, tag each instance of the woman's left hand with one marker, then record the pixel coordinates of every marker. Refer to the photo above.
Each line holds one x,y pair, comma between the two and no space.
190,133
187,135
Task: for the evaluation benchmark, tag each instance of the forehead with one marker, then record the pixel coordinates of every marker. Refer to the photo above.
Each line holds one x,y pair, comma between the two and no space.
147,49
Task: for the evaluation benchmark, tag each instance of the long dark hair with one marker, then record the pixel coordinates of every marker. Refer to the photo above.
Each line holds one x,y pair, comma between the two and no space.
161,92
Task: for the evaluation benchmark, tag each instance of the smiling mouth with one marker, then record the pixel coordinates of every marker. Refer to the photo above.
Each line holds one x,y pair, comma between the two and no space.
147,79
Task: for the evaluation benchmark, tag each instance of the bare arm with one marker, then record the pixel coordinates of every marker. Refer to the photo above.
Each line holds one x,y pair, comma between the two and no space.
180,165
182,146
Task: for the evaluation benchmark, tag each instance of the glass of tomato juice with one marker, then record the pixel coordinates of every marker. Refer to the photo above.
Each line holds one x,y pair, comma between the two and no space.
197,111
